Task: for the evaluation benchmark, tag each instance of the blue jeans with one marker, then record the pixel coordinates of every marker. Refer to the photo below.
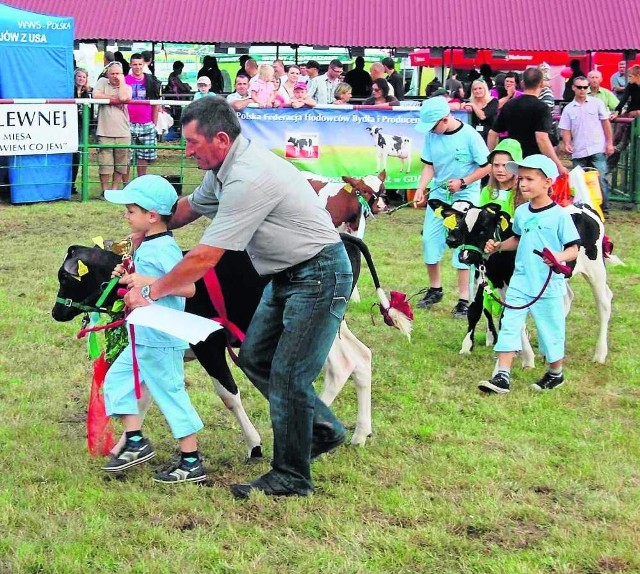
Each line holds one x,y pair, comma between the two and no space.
285,348
597,161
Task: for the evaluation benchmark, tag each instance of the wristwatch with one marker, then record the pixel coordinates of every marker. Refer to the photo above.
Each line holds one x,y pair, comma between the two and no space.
146,294
463,183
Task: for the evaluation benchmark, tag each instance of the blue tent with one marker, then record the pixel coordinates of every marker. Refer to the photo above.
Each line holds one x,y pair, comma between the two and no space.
36,61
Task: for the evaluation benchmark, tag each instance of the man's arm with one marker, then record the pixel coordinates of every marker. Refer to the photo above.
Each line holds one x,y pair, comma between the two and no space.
124,90
544,143
492,140
184,214
566,140
608,137
239,105
193,267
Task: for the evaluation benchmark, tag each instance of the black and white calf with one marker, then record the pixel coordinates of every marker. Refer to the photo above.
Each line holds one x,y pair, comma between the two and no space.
301,145
389,145
473,226
241,289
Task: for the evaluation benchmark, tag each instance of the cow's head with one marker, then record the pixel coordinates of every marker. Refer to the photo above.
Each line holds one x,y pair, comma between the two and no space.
371,188
470,227
83,276
374,130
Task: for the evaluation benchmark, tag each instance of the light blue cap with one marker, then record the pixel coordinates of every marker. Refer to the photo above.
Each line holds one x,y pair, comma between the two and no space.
536,161
151,192
431,112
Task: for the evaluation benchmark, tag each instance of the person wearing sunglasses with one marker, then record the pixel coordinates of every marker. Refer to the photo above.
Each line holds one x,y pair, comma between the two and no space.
586,133
380,94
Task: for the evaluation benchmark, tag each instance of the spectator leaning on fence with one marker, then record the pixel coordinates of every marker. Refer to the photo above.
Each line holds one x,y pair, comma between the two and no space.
143,117
330,81
204,88
377,71
113,126
343,94
241,98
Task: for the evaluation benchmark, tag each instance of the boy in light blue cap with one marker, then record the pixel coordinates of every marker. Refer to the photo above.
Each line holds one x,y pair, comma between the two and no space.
540,223
150,201
455,160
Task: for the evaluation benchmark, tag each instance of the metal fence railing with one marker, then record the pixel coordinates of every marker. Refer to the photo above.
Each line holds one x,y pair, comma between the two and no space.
625,173
625,176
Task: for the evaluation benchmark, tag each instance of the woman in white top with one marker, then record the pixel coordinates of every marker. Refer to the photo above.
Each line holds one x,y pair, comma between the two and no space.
286,88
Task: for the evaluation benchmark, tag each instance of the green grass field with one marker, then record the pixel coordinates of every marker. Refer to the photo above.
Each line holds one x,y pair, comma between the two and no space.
450,482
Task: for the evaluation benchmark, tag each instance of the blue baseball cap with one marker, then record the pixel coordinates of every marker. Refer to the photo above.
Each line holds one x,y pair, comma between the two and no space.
151,192
536,161
431,112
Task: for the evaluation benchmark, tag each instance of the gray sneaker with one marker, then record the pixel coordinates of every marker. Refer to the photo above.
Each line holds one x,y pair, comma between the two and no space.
431,297
548,382
499,384
182,471
132,453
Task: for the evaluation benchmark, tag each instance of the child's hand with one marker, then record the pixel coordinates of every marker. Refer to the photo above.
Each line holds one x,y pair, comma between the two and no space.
137,280
118,271
491,246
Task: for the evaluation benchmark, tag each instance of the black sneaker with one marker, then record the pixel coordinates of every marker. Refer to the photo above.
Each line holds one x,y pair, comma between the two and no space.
431,297
182,471
132,453
548,382
461,310
498,384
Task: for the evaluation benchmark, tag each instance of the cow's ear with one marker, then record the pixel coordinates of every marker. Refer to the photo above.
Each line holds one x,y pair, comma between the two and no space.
82,268
350,180
492,207
436,203
505,221
382,176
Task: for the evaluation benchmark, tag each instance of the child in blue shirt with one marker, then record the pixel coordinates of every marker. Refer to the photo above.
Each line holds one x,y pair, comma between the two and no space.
455,160
150,201
537,224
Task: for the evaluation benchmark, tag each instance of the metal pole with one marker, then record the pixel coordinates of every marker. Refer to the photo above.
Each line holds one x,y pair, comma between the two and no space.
84,193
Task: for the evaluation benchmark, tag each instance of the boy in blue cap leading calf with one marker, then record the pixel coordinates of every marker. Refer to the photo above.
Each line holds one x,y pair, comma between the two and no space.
538,224
150,201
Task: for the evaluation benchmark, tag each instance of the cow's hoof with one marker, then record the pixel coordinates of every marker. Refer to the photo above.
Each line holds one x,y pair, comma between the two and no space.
600,359
359,437
255,455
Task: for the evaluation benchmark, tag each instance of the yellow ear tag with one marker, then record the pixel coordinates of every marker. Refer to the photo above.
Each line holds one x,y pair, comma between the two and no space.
82,269
504,223
348,187
438,212
450,221
99,241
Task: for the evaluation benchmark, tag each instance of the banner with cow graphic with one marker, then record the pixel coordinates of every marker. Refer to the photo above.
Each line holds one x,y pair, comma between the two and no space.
333,142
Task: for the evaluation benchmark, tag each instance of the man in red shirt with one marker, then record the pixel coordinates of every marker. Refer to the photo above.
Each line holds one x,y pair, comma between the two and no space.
143,117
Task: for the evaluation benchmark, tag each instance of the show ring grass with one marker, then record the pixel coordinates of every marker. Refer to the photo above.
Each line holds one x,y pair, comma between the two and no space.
450,482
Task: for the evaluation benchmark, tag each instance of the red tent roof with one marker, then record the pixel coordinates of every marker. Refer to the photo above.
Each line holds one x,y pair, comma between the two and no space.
505,24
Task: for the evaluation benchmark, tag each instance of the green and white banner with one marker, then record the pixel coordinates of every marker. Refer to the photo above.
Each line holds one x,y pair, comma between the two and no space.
333,142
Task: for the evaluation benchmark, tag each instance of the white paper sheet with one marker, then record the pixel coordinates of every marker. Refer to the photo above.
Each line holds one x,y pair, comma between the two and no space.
186,326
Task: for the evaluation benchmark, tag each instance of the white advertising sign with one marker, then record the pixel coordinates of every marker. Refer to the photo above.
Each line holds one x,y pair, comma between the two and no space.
38,129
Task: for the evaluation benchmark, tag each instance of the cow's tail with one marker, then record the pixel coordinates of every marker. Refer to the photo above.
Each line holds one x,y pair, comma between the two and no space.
397,311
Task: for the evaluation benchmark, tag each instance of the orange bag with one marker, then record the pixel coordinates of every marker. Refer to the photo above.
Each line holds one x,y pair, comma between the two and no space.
99,429
561,191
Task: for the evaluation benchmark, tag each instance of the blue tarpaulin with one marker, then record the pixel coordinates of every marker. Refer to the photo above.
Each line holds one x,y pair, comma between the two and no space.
36,61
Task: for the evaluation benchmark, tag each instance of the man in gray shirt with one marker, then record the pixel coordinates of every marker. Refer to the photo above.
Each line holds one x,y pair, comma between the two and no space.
261,203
